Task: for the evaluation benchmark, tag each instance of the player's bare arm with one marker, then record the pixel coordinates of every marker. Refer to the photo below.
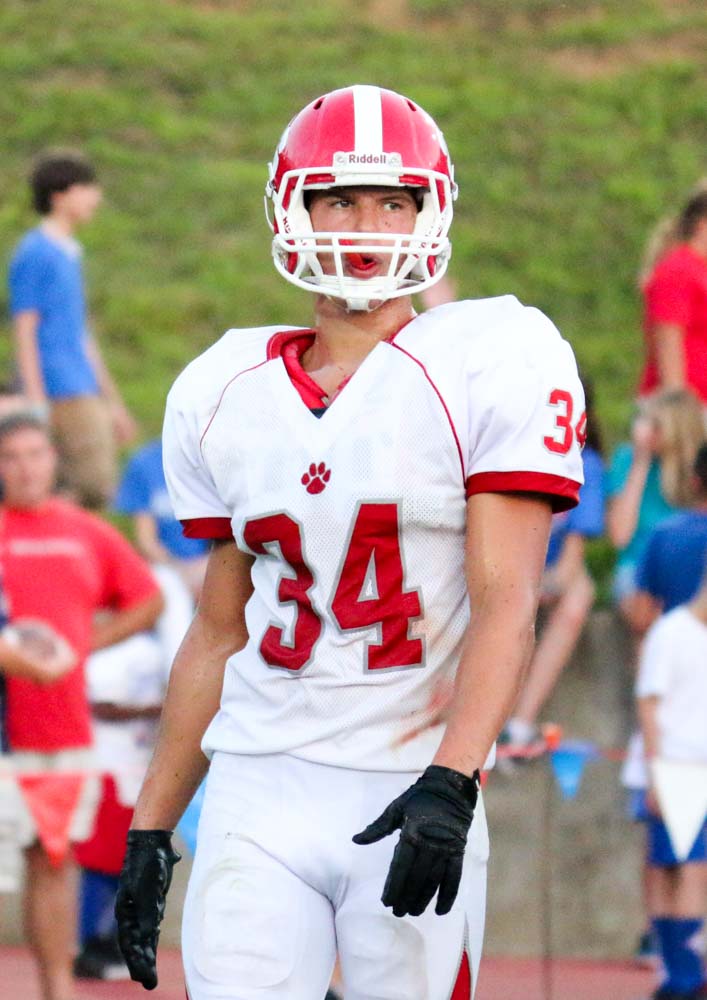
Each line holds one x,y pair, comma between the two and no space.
506,543
178,765
194,690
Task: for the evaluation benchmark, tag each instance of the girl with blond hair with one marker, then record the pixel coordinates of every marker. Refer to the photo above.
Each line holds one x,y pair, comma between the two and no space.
649,479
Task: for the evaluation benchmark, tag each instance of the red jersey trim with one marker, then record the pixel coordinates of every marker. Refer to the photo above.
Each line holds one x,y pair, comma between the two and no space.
563,493
462,986
207,527
282,338
439,397
289,346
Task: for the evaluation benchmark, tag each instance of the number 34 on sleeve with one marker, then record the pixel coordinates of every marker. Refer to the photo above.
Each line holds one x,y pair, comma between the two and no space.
564,431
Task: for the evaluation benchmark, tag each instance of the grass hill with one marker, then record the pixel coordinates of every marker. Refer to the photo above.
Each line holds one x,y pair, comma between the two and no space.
574,127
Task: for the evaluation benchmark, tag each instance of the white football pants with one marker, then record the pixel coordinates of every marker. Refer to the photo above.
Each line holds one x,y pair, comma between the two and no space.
277,889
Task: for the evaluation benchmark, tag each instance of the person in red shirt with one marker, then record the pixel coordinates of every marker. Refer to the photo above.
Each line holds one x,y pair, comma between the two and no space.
60,565
675,300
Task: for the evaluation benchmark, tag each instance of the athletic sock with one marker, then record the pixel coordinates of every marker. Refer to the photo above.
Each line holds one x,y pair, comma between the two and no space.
679,947
97,900
691,972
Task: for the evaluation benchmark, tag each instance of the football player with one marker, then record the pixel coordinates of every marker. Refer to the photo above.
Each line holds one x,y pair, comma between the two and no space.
378,489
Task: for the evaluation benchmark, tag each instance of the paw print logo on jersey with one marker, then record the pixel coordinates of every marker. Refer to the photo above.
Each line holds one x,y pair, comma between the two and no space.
316,478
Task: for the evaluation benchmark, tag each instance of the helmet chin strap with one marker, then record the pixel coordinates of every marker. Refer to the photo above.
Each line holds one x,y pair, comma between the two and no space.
353,303
354,299
363,305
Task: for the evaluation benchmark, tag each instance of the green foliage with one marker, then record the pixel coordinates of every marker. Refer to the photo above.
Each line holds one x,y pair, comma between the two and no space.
574,127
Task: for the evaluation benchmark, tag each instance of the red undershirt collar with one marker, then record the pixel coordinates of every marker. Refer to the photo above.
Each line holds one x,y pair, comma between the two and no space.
290,345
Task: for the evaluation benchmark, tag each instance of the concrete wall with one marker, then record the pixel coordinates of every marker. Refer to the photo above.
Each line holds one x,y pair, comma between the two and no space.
563,875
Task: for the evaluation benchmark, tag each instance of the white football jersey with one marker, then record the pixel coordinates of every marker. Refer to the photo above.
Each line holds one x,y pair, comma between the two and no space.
357,519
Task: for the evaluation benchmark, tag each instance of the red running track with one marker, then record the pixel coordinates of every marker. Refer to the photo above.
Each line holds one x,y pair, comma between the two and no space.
501,979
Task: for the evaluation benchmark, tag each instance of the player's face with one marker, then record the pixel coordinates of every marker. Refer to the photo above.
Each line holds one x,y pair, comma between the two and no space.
27,467
363,210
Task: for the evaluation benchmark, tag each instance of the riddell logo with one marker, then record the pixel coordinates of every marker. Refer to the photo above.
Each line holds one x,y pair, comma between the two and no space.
367,159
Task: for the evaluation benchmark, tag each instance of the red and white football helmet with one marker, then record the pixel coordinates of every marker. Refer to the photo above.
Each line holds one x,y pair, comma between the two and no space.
361,135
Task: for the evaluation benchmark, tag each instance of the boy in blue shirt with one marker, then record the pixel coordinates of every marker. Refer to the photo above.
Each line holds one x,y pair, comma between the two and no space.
60,366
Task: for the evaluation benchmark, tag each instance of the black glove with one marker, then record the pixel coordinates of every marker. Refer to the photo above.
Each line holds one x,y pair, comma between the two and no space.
139,906
434,816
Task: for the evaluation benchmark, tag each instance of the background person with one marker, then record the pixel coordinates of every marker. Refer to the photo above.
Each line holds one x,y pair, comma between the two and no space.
36,652
60,565
669,574
142,493
671,689
60,366
126,685
648,480
674,290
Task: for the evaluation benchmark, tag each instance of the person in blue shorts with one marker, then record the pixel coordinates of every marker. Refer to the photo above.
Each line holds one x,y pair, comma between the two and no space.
671,689
142,494
668,575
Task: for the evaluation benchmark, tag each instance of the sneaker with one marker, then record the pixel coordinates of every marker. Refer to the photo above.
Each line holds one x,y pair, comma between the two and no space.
504,762
332,995
100,958
517,744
